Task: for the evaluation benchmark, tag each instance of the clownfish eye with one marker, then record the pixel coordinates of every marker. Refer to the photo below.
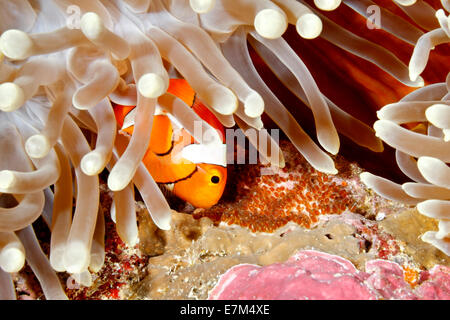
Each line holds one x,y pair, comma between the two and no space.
215,179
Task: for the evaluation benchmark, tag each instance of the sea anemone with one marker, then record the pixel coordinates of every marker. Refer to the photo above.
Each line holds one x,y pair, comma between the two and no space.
418,128
64,62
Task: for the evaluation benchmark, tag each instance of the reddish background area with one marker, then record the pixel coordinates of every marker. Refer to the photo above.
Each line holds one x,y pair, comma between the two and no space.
355,85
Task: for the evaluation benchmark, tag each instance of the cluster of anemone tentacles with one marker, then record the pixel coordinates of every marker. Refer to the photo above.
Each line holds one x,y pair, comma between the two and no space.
63,62
423,142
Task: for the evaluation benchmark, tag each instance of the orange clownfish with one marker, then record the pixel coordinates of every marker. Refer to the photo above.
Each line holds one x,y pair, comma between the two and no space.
199,178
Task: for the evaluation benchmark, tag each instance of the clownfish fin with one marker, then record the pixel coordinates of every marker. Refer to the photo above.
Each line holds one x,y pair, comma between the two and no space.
181,89
206,115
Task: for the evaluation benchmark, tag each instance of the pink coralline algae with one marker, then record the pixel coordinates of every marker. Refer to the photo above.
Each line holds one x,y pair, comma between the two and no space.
313,275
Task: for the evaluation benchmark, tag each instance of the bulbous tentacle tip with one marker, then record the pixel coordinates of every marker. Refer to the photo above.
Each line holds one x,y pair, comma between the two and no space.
119,177
439,115
37,146
152,85
222,99
202,6
7,179
327,5
92,25
254,105
309,26
406,3
91,163
12,97
12,259
270,23
165,223
366,178
76,258
379,127
16,44
442,244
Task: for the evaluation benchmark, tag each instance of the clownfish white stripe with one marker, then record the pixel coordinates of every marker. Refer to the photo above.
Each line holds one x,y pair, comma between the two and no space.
210,153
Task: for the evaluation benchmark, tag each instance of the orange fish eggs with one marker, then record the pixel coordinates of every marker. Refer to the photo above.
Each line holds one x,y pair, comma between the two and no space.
265,203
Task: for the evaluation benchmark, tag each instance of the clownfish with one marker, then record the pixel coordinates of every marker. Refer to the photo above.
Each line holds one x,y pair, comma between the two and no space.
200,179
